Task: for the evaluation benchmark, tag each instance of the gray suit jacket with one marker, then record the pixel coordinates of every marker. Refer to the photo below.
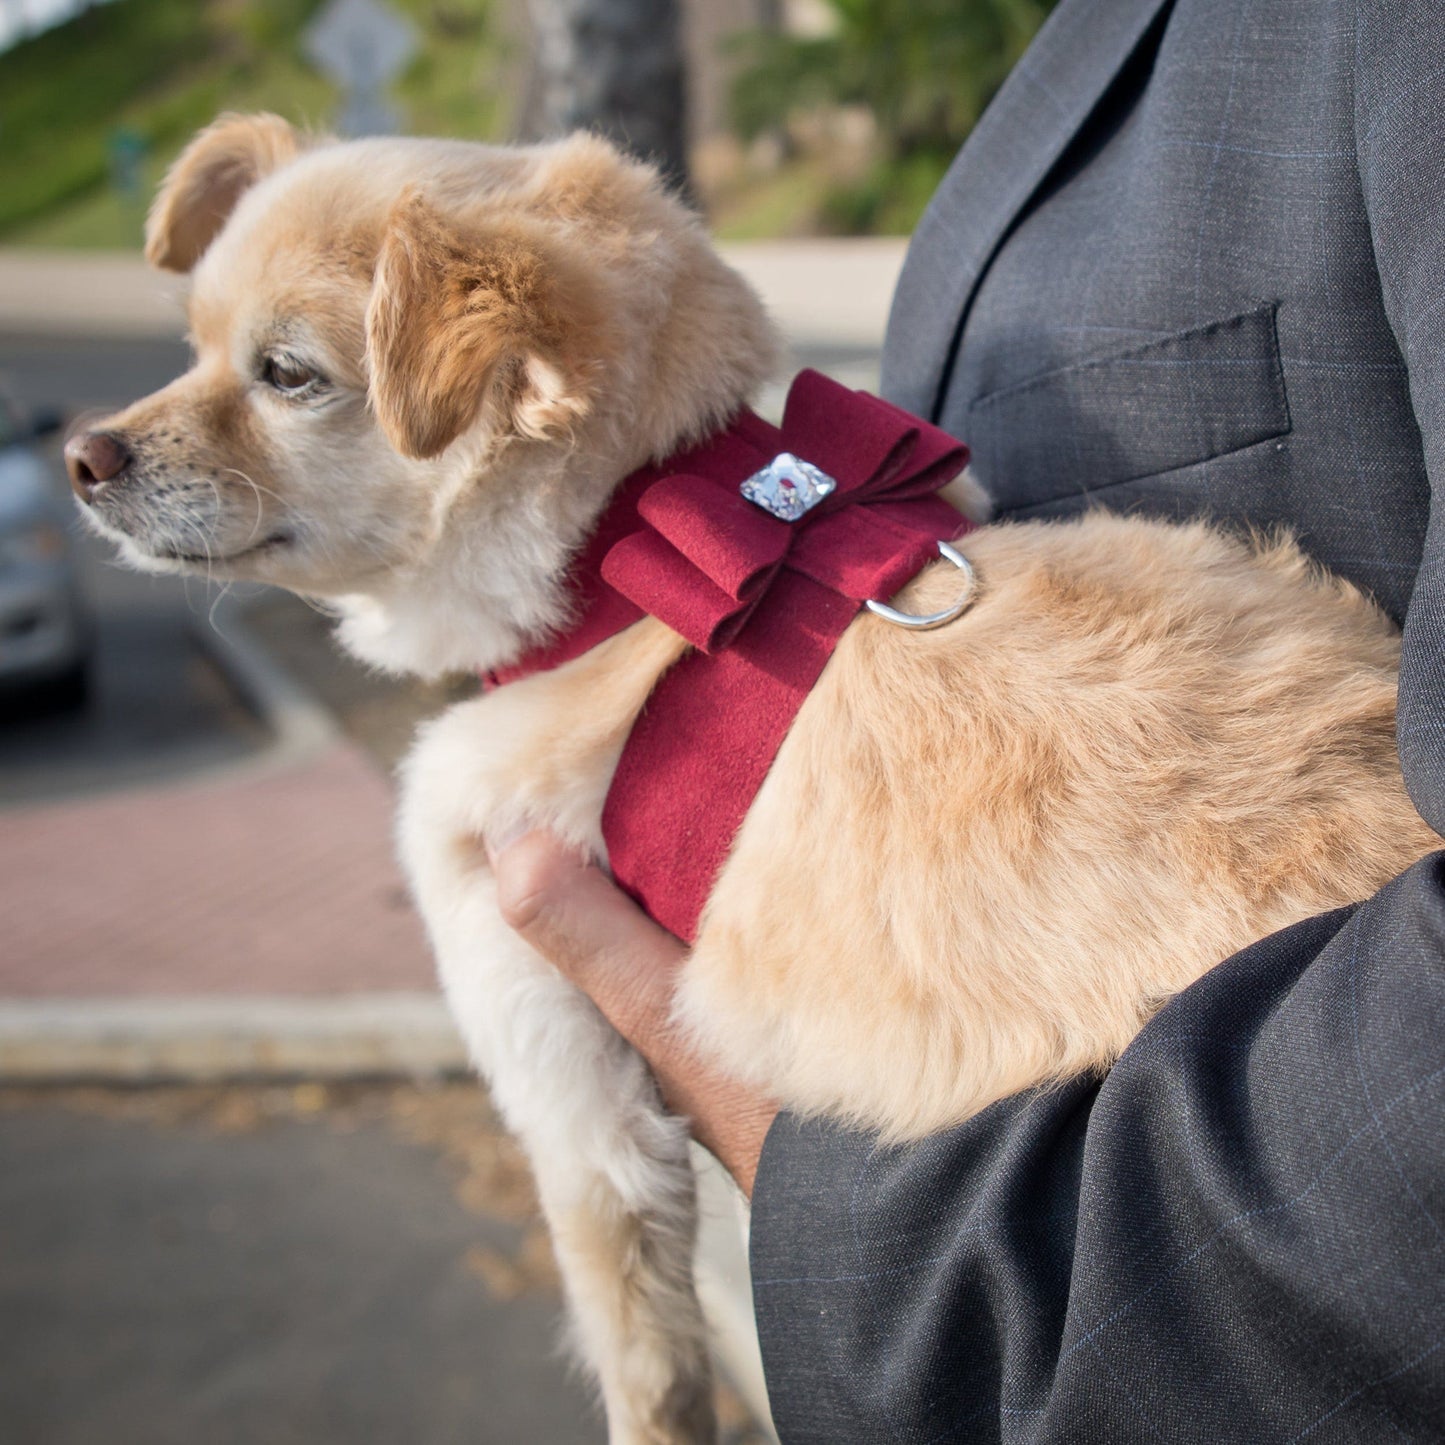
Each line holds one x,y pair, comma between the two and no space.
1192,261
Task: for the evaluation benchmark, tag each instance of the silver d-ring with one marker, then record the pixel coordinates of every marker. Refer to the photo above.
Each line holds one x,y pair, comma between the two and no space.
921,621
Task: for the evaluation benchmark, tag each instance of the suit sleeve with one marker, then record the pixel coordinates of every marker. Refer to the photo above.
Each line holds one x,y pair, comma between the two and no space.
1239,1234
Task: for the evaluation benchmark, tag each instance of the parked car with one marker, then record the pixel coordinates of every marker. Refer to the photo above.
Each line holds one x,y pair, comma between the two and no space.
45,631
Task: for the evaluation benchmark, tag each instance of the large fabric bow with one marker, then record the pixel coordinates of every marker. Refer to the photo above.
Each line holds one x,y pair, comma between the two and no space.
703,562
706,556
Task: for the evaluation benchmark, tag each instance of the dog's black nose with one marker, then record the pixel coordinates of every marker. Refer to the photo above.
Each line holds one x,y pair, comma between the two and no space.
94,458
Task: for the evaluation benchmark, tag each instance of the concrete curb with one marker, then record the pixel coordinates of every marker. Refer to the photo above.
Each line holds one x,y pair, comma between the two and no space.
88,294
831,293
824,294
208,1040
299,725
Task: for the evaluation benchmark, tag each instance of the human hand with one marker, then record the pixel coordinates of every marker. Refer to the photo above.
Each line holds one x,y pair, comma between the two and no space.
577,919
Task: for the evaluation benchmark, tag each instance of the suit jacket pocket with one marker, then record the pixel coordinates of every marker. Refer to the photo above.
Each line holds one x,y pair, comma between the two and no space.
1172,403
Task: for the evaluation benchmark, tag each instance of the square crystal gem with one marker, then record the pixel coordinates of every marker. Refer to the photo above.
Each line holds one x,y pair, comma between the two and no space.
787,487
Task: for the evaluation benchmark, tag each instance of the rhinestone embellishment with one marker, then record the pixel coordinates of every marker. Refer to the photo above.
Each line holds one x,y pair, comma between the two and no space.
787,487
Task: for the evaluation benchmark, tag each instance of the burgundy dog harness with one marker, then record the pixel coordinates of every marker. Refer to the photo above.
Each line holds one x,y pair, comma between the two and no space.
759,547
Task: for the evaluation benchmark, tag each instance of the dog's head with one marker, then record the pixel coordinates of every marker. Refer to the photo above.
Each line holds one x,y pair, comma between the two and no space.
397,338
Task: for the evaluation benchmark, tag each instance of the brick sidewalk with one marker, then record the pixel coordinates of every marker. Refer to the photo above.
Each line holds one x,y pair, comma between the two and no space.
271,884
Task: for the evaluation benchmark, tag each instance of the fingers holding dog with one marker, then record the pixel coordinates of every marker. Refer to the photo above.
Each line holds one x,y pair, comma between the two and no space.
572,914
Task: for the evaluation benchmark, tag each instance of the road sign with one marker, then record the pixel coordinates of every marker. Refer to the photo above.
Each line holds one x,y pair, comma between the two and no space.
362,45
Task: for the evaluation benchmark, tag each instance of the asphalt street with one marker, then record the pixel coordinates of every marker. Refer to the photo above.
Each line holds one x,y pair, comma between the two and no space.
273,1268
75,373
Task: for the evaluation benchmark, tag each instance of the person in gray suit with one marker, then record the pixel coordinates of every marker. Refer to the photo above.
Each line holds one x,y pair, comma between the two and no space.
1191,262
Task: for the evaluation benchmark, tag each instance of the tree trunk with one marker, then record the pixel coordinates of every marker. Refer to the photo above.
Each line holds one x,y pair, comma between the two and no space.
614,67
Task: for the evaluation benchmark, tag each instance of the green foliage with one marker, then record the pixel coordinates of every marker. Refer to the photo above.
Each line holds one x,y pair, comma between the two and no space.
457,85
154,68
161,69
58,90
888,200
924,69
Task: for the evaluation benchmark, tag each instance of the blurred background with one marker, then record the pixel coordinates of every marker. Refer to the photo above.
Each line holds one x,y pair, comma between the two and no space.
247,1192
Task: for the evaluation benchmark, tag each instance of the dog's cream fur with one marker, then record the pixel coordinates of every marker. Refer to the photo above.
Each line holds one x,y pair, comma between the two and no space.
984,854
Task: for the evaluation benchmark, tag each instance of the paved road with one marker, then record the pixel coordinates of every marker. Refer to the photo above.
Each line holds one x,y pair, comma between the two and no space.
253,1276
76,373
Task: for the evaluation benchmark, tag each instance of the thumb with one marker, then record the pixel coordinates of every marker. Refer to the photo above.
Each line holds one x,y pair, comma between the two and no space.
581,922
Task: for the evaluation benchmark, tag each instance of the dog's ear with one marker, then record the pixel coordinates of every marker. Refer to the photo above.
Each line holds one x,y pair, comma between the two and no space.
202,187
504,315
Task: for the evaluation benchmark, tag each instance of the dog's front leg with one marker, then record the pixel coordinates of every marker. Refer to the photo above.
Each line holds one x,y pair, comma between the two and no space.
612,1167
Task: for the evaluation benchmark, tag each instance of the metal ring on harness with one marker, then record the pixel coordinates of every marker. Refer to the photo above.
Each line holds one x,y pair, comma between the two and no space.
922,621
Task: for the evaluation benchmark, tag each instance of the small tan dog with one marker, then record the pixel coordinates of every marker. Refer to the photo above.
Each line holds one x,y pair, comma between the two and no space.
421,367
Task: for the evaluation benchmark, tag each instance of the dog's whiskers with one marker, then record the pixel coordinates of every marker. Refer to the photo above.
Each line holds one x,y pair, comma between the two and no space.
219,598
258,490
202,534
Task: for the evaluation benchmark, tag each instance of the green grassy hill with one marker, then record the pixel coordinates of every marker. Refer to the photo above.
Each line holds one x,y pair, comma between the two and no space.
150,72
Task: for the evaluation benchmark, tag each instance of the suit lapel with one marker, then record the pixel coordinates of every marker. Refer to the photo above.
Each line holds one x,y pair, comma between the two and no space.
1037,112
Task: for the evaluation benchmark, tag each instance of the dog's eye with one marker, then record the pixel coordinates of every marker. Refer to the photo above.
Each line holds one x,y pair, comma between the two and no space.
289,376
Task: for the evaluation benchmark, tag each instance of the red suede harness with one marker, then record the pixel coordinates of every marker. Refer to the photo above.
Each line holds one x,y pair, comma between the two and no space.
680,541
